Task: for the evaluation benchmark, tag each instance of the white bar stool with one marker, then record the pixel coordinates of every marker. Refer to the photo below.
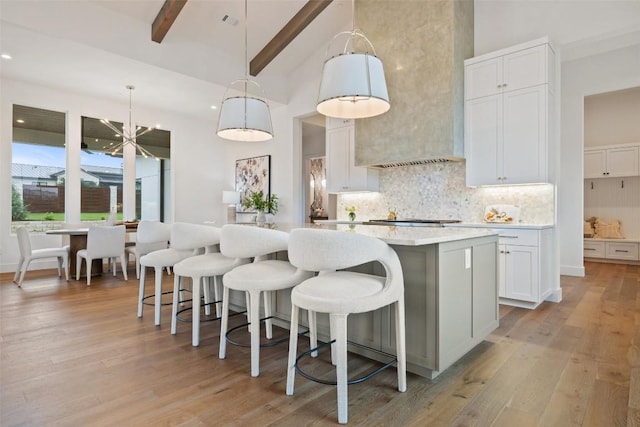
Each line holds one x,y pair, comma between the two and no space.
186,240
341,293
200,269
262,275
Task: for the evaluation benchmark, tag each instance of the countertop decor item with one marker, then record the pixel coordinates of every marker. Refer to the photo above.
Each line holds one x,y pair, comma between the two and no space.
257,201
503,214
351,212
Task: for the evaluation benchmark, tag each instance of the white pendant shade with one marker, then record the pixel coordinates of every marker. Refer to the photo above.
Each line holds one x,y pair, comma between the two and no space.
244,118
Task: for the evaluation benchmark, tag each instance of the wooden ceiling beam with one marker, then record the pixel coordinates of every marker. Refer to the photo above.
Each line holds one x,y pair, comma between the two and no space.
165,19
286,35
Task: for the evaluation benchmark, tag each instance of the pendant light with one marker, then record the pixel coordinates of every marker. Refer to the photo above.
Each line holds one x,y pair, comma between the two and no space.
353,84
130,135
244,117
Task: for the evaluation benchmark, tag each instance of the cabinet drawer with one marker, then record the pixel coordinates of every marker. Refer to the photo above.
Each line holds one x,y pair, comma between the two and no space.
518,237
335,123
628,251
594,249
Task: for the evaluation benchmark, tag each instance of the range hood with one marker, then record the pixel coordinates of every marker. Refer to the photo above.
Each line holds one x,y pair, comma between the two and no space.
423,45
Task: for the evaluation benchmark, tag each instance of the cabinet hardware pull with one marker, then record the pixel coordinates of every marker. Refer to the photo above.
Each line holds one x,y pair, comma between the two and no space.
589,249
509,237
620,250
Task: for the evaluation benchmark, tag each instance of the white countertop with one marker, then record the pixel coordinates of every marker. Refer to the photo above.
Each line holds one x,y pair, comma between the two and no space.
501,225
398,235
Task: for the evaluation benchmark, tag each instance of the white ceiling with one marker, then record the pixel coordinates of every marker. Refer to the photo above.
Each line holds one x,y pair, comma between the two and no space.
97,47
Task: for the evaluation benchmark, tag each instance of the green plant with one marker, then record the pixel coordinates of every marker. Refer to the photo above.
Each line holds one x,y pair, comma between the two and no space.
257,201
19,211
49,216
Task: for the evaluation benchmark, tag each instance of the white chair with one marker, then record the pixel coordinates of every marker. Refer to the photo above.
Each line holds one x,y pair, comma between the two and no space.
27,255
201,268
186,240
341,293
103,242
150,236
262,275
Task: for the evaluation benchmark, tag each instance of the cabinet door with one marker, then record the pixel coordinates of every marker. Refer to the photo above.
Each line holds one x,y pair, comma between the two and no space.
622,161
483,78
525,68
337,150
524,143
521,272
595,163
483,139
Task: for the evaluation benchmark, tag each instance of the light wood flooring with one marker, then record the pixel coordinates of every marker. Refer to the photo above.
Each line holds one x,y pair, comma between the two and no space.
73,355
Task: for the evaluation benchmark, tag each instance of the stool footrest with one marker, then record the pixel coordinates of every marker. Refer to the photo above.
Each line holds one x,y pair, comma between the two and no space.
145,298
267,344
213,319
358,380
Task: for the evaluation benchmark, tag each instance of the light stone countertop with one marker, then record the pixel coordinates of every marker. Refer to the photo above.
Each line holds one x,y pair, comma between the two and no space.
501,225
398,235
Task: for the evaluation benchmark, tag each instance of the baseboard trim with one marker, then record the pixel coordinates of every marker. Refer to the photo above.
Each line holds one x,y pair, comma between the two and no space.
572,271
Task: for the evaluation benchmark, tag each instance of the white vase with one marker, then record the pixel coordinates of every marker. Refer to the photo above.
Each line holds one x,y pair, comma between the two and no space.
260,218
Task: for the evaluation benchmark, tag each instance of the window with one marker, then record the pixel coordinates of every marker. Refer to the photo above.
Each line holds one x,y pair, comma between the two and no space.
37,168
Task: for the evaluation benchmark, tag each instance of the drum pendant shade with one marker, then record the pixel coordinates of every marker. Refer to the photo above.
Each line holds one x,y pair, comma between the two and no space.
353,86
244,118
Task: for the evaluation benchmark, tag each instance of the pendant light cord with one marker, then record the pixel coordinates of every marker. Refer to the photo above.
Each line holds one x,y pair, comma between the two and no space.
246,55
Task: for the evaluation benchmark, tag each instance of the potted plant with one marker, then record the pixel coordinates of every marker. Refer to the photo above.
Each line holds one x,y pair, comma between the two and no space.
257,201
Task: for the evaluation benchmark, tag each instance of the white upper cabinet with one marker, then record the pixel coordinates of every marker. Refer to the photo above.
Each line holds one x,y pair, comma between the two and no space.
342,174
509,115
612,162
521,69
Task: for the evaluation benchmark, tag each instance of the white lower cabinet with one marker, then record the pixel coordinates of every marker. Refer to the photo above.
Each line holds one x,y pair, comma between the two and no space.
524,278
611,250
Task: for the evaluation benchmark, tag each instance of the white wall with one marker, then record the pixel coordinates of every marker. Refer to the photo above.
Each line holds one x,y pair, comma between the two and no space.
577,27
612,118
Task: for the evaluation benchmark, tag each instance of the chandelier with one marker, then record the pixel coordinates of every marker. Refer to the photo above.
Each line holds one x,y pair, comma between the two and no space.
353,85
244,117
130,135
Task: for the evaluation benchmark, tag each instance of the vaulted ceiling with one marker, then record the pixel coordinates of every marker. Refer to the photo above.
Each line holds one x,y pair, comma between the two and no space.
99,46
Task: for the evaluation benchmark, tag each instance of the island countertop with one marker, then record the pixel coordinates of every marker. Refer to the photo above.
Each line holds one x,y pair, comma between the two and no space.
403,236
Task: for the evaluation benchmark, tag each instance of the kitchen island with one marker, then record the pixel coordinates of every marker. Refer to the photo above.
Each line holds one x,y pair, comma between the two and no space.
451,295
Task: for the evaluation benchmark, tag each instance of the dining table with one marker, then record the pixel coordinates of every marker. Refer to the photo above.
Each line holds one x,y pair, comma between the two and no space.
78,241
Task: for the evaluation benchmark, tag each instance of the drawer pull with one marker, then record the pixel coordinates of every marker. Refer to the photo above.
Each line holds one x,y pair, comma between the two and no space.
509,237
589,249
620,250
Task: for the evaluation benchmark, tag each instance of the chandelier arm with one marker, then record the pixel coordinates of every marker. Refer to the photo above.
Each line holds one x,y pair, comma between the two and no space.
111,126
147,130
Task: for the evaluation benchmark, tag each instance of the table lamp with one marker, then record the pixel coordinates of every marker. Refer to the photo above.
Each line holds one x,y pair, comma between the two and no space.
231,199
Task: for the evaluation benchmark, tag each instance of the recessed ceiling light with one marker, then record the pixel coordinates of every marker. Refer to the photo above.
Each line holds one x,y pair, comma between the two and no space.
5,56
213,107
20,121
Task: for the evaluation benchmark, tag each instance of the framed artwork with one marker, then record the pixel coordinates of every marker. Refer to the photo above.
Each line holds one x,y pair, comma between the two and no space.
253,174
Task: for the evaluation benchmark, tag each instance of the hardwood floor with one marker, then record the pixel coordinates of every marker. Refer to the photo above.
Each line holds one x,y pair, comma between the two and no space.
73,355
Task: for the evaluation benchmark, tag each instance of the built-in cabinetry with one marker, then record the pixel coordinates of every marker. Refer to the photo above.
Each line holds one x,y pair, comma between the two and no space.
342,174
451,305
525,266
612,161
613,250
509,115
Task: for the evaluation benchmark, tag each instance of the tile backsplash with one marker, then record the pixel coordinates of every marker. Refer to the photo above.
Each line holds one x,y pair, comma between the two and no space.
438,191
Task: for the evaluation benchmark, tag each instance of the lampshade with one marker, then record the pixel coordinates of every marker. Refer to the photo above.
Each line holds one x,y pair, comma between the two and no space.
353,86
230,197
245,118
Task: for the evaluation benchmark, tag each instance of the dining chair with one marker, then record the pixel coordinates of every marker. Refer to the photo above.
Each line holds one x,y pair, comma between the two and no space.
186,240
340,293
263,275
103,242
150,236
27,254
204,271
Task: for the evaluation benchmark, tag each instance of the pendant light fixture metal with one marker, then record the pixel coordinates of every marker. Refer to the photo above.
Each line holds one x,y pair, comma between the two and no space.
243,116
353,85
129,135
